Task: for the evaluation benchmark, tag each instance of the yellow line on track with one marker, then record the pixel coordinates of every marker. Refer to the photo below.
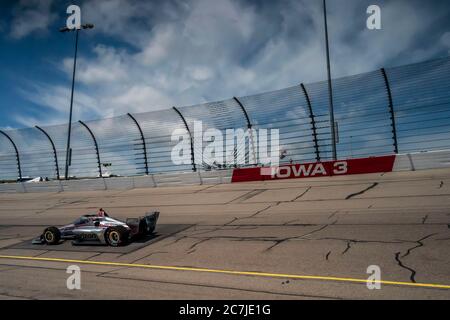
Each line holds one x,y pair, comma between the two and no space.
231,272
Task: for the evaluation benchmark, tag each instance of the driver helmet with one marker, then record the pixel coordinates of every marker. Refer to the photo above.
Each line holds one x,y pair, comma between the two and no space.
102,213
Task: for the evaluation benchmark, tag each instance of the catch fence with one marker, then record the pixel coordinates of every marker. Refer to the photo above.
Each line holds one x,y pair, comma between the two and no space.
394,110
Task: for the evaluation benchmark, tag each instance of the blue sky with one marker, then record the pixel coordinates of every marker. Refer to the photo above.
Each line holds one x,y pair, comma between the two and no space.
150,55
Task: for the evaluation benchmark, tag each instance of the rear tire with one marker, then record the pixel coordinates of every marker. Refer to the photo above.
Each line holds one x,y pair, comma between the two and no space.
116,236
51,235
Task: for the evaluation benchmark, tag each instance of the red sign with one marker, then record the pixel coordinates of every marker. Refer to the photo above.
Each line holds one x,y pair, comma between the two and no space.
317,169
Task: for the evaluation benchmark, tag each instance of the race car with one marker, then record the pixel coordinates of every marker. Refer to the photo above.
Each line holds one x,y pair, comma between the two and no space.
100,229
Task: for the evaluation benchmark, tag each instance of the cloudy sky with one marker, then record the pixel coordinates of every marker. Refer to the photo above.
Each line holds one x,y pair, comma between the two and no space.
149,55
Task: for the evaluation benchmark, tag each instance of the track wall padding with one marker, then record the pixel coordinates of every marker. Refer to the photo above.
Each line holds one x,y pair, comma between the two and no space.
401,162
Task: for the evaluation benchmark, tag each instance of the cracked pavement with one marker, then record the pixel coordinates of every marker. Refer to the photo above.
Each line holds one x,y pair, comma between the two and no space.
333,226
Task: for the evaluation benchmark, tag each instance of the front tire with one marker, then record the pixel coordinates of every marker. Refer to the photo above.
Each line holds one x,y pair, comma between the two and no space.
116,236
51,235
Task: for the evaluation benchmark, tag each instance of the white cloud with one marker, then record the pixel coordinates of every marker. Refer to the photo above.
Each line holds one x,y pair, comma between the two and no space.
118,18
55,101
31,16
107,68
187,52
158,46
399,39
200,73
138,98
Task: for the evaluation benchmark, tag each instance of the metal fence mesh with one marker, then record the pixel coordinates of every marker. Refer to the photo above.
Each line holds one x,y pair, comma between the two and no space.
403,109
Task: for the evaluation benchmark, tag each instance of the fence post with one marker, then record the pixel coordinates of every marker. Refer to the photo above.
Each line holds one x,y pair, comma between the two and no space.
391,109
143,141
194,168
313,122
54,150
17,153
250,128
96,148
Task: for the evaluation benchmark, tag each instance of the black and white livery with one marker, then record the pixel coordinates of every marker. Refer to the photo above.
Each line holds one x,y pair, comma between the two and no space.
100,229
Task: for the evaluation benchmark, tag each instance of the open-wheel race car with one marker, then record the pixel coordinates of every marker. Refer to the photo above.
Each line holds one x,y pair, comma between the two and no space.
100,229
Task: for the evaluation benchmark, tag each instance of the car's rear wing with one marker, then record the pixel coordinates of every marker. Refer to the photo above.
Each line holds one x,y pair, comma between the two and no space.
152,219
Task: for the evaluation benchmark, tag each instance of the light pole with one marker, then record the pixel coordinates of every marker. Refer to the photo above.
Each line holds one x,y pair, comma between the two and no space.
330,88
68,150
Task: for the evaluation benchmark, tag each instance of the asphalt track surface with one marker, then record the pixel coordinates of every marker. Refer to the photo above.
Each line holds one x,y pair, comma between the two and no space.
290,239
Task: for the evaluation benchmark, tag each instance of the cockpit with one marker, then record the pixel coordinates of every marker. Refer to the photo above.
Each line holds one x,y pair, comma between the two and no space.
81,220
